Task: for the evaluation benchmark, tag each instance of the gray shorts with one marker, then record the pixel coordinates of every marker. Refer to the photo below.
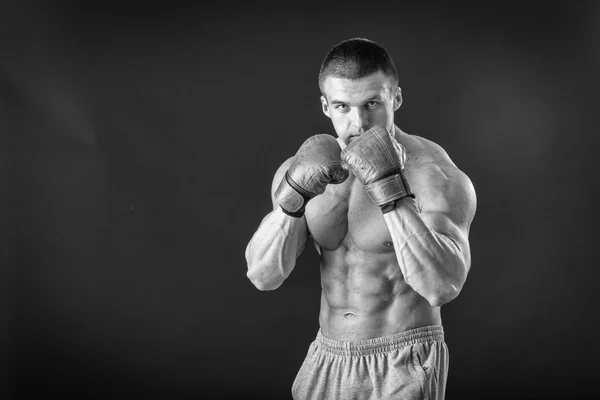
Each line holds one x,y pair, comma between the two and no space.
407,365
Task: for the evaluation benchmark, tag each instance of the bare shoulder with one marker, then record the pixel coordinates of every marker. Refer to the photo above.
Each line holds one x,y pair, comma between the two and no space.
438,182
422,151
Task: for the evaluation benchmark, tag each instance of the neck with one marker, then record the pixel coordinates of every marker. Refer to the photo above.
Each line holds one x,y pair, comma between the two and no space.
398,133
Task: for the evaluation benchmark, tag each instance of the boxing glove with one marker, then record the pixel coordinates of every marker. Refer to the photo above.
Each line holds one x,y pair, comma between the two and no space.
377,160
317,163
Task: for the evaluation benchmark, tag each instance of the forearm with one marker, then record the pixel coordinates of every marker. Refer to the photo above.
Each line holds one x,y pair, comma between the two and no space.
432,263
271,253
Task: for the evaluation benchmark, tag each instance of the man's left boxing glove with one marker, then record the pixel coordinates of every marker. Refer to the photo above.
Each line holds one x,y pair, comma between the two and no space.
379,165
317,163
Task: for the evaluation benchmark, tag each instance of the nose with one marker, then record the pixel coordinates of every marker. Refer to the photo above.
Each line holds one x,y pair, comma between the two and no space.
360,119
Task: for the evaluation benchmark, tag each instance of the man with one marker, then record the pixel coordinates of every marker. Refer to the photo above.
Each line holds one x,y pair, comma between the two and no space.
389,213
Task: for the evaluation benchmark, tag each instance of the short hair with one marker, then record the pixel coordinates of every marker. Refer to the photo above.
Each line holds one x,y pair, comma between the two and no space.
356,58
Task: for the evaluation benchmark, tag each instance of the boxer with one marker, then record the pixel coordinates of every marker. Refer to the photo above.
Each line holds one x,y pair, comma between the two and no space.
389,213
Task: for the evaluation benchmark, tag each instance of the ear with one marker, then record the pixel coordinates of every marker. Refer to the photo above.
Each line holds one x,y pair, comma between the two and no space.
397,98
325,106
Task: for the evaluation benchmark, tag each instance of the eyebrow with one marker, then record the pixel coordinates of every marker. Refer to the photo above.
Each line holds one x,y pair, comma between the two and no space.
376,97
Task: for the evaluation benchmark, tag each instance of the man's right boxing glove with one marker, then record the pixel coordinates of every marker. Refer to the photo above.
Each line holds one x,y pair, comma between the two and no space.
316,164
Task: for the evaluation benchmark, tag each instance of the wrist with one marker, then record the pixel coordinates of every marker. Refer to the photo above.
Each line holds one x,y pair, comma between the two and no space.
388,191
291,197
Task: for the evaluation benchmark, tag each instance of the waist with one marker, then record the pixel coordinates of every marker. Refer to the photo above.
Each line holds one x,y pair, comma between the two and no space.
382,344
376,319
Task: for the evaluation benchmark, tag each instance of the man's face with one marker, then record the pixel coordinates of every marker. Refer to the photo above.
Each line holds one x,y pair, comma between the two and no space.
355,106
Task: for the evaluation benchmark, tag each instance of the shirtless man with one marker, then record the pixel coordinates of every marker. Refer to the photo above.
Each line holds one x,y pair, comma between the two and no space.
389,213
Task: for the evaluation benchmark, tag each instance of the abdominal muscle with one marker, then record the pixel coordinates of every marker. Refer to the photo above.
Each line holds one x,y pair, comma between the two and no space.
365,296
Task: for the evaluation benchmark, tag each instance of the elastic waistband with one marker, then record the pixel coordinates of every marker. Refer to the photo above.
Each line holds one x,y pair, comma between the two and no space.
382,344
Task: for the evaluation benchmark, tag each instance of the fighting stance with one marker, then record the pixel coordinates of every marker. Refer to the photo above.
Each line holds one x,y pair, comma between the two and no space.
389,214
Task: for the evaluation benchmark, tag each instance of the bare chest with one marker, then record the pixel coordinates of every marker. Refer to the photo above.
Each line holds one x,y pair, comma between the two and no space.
346,216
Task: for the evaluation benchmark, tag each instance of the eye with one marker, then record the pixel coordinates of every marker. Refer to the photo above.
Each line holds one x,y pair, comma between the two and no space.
372,104
341,107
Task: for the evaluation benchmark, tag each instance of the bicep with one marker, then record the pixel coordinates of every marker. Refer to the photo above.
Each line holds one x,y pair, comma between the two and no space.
448,203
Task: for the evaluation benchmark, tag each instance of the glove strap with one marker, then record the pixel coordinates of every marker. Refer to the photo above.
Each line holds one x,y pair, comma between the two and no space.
387,191
291,197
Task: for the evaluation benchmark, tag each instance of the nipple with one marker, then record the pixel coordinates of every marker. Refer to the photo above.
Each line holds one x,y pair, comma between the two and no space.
388,244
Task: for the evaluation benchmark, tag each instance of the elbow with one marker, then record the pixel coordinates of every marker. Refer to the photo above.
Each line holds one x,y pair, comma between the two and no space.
264,285
267,270
443,296
449,287
261,280
258,273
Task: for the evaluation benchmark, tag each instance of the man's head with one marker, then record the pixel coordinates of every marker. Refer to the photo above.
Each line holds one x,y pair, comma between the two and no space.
359,84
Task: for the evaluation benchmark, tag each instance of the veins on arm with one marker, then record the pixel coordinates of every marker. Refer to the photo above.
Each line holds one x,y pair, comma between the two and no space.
431,232
272,252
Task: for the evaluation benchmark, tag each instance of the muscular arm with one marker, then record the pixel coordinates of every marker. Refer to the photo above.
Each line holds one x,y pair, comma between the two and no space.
272,252
431,237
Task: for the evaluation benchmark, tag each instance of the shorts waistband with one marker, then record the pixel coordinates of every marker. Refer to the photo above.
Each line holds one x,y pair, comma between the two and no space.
382,344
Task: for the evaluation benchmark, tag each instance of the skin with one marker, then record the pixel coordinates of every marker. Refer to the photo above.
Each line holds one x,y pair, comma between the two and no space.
380,274
355,106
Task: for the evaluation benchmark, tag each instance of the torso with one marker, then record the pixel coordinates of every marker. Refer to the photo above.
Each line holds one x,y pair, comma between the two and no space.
364,294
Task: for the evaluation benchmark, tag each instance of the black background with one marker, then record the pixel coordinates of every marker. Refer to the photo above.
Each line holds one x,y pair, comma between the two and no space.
137,151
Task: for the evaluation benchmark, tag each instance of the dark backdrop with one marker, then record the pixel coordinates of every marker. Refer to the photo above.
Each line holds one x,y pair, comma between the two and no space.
138,146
